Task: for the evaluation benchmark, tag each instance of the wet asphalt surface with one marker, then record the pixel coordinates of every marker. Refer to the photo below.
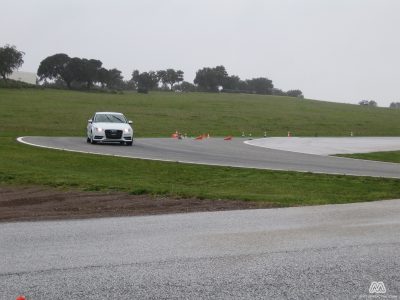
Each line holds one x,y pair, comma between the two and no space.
320,252
216,151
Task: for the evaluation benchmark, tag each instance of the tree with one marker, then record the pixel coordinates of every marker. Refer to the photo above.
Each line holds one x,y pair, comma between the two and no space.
135,77
170,76
88,71
103,76
162,76
145,81
10,60
74,68
231,83
148,80
210,79
278,92
260,85
110,78
61,66
115,78
363,102
130,85
185,87
295,93
395,105
371,103
56,67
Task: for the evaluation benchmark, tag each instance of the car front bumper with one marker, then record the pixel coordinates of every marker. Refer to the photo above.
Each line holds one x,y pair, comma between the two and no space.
110,136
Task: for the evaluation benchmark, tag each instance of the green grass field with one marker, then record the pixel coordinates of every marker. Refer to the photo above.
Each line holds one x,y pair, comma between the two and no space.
387,156
64,113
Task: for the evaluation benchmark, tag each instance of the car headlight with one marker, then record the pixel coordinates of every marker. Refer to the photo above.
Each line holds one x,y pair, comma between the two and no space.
98,129
127,130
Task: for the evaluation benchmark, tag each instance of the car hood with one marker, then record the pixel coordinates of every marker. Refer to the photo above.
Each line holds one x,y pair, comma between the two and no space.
120,126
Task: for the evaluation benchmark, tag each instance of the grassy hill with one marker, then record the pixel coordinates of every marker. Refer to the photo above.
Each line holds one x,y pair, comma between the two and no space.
64,113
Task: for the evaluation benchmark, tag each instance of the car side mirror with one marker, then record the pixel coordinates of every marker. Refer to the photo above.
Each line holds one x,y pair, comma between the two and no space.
129,122
90,121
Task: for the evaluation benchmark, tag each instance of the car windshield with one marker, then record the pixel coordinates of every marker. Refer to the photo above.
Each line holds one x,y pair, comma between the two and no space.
109,118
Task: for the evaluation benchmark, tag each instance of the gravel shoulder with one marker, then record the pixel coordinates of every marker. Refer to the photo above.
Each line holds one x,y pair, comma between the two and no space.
42,203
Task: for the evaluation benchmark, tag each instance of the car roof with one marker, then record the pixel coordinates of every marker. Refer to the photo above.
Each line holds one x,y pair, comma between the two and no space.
107,112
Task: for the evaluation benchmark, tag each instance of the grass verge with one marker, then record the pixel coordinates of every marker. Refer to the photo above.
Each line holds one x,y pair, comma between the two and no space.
386,156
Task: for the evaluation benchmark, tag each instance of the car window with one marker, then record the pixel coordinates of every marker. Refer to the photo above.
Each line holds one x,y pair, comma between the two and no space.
109,118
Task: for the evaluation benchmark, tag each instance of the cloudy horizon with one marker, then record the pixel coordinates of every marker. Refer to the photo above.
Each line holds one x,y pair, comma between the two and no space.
341,51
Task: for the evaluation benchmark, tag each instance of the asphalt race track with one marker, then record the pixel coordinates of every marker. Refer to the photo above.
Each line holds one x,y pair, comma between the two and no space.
319,252
329,145
216,151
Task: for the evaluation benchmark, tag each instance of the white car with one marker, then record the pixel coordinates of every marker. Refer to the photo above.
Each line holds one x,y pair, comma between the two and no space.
109,127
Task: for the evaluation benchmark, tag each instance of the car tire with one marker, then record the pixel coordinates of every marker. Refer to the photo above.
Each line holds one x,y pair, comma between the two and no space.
87,140
129,143
92,141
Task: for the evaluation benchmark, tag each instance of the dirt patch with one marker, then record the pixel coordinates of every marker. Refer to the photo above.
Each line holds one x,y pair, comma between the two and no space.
41,203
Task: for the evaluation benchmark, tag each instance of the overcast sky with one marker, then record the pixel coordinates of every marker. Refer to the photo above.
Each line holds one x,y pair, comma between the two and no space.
334,50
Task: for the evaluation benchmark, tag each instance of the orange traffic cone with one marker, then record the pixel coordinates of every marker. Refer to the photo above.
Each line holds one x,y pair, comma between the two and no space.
175,135
200,137
20,298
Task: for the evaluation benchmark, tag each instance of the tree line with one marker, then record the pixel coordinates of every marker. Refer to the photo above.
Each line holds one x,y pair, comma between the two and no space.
395,105
76,72
373,103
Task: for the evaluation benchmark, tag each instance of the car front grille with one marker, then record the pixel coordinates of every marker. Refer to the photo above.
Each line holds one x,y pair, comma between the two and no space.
113,134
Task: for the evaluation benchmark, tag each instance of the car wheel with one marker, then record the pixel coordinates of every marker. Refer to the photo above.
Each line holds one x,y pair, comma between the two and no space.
92,141
87,140
129,143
